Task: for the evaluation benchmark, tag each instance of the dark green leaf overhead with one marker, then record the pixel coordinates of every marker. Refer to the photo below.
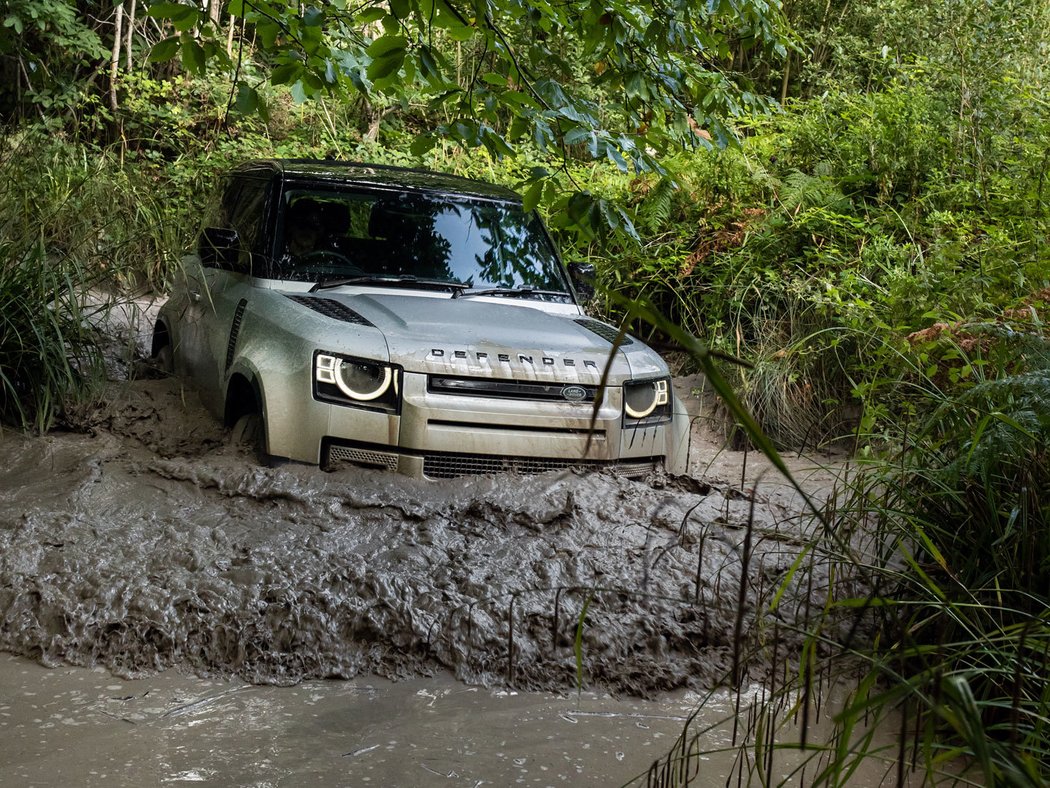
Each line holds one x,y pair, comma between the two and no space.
617,80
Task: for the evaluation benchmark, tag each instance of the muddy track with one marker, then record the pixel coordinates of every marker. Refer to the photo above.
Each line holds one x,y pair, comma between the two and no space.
141,542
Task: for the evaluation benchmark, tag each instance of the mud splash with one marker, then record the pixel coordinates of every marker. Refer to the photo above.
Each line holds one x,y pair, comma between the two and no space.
143,542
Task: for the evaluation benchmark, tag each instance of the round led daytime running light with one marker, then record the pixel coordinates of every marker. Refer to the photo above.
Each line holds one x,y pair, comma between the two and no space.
659,393
388,376
640,414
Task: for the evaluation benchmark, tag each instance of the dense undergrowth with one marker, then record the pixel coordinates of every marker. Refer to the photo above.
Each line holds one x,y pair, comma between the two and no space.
819,251
938,623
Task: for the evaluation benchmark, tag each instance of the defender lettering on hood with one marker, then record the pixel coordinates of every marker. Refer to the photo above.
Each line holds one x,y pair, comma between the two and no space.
529,360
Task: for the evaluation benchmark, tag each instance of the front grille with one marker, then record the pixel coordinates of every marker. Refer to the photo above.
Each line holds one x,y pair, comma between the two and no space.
476,425
511,389
449,466
375,459
329,307
605,331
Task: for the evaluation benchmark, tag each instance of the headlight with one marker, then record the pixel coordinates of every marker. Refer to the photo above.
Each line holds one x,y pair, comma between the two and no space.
356,381
647,402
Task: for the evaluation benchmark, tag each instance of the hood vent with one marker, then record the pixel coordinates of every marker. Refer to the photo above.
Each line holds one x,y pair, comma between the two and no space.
329,307
606,332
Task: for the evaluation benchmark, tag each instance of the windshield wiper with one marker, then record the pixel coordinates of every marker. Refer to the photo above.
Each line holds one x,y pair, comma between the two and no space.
507,291
389,279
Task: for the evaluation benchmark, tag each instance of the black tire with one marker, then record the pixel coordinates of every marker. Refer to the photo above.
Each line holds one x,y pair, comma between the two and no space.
249,433
165,360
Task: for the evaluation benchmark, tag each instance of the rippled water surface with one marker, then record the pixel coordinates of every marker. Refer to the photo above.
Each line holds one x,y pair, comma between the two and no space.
74,726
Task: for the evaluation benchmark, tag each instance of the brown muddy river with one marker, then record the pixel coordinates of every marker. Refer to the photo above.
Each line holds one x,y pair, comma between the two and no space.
141,543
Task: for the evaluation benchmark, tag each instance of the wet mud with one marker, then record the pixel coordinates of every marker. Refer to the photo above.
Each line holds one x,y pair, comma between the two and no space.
142,541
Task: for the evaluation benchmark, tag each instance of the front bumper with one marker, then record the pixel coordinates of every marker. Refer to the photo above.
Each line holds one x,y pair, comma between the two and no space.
443,435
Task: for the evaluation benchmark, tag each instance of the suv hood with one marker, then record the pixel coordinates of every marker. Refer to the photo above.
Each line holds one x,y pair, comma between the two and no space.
468,336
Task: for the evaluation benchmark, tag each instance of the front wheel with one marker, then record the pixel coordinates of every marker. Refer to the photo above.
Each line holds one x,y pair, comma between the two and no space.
249,434
165,360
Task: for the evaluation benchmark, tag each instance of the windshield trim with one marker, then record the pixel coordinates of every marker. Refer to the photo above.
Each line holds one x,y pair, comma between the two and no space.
390,279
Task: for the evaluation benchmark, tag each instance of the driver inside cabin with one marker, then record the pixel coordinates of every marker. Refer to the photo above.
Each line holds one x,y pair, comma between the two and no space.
313,227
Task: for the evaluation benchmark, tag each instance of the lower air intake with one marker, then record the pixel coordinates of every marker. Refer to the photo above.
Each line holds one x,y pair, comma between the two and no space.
374,459
449,466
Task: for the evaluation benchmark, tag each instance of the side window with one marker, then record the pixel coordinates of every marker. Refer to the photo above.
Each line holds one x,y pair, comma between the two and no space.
245,205
216,236
214,213
245,211
234,229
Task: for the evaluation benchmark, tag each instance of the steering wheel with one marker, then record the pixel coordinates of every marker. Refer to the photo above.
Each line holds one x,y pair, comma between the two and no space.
330,258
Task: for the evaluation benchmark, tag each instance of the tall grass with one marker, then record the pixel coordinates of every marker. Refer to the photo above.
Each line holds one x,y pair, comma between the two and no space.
45,347
945,639
71,222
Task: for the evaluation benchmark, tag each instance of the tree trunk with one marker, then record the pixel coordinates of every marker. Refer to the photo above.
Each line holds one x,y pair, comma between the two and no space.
131,33
785,80
114,62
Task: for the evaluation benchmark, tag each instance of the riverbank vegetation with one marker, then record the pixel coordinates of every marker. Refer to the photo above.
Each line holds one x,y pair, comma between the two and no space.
853,200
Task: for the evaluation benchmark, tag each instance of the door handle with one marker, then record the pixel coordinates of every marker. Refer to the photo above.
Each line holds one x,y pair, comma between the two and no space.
195,295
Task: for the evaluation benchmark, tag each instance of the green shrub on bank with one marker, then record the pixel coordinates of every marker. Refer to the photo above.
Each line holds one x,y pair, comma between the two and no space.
47,351
839,228
963,580
937,561
73,220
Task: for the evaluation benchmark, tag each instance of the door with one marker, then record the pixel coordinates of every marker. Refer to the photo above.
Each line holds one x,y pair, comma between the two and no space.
220,291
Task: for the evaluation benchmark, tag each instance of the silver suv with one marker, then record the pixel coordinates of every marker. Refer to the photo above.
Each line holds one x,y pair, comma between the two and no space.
408,320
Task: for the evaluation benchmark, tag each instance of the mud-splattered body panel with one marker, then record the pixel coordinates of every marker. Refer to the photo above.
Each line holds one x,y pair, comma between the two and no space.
351,354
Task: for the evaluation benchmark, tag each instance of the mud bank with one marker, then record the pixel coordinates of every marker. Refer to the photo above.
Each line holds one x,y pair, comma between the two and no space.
143,543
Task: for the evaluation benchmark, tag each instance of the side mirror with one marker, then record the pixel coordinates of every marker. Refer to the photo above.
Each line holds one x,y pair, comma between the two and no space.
219,248
582,276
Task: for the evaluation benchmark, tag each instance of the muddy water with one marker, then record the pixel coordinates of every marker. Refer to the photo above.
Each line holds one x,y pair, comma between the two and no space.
74,726
141,542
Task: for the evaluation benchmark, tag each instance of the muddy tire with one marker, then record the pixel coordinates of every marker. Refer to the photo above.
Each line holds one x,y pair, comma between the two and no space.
249,434
165,360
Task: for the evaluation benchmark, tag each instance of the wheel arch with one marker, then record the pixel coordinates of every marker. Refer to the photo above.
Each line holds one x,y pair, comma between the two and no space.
243,396
161,337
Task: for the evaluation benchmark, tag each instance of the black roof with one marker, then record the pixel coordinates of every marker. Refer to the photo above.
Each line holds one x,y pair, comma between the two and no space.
382,176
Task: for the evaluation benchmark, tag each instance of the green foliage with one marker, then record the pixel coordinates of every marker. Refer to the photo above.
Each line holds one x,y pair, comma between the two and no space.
937,558
46,352
616,83
46,50
124,225
46,348
168,118
963,572
838,229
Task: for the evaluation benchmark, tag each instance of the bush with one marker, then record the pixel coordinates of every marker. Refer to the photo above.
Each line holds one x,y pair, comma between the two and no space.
47,352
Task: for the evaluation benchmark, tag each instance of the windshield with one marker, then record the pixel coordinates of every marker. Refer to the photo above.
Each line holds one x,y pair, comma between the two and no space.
328,235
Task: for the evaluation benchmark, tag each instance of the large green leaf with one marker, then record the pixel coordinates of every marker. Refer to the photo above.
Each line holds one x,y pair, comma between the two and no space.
182,17
164,50
193,56
388,54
